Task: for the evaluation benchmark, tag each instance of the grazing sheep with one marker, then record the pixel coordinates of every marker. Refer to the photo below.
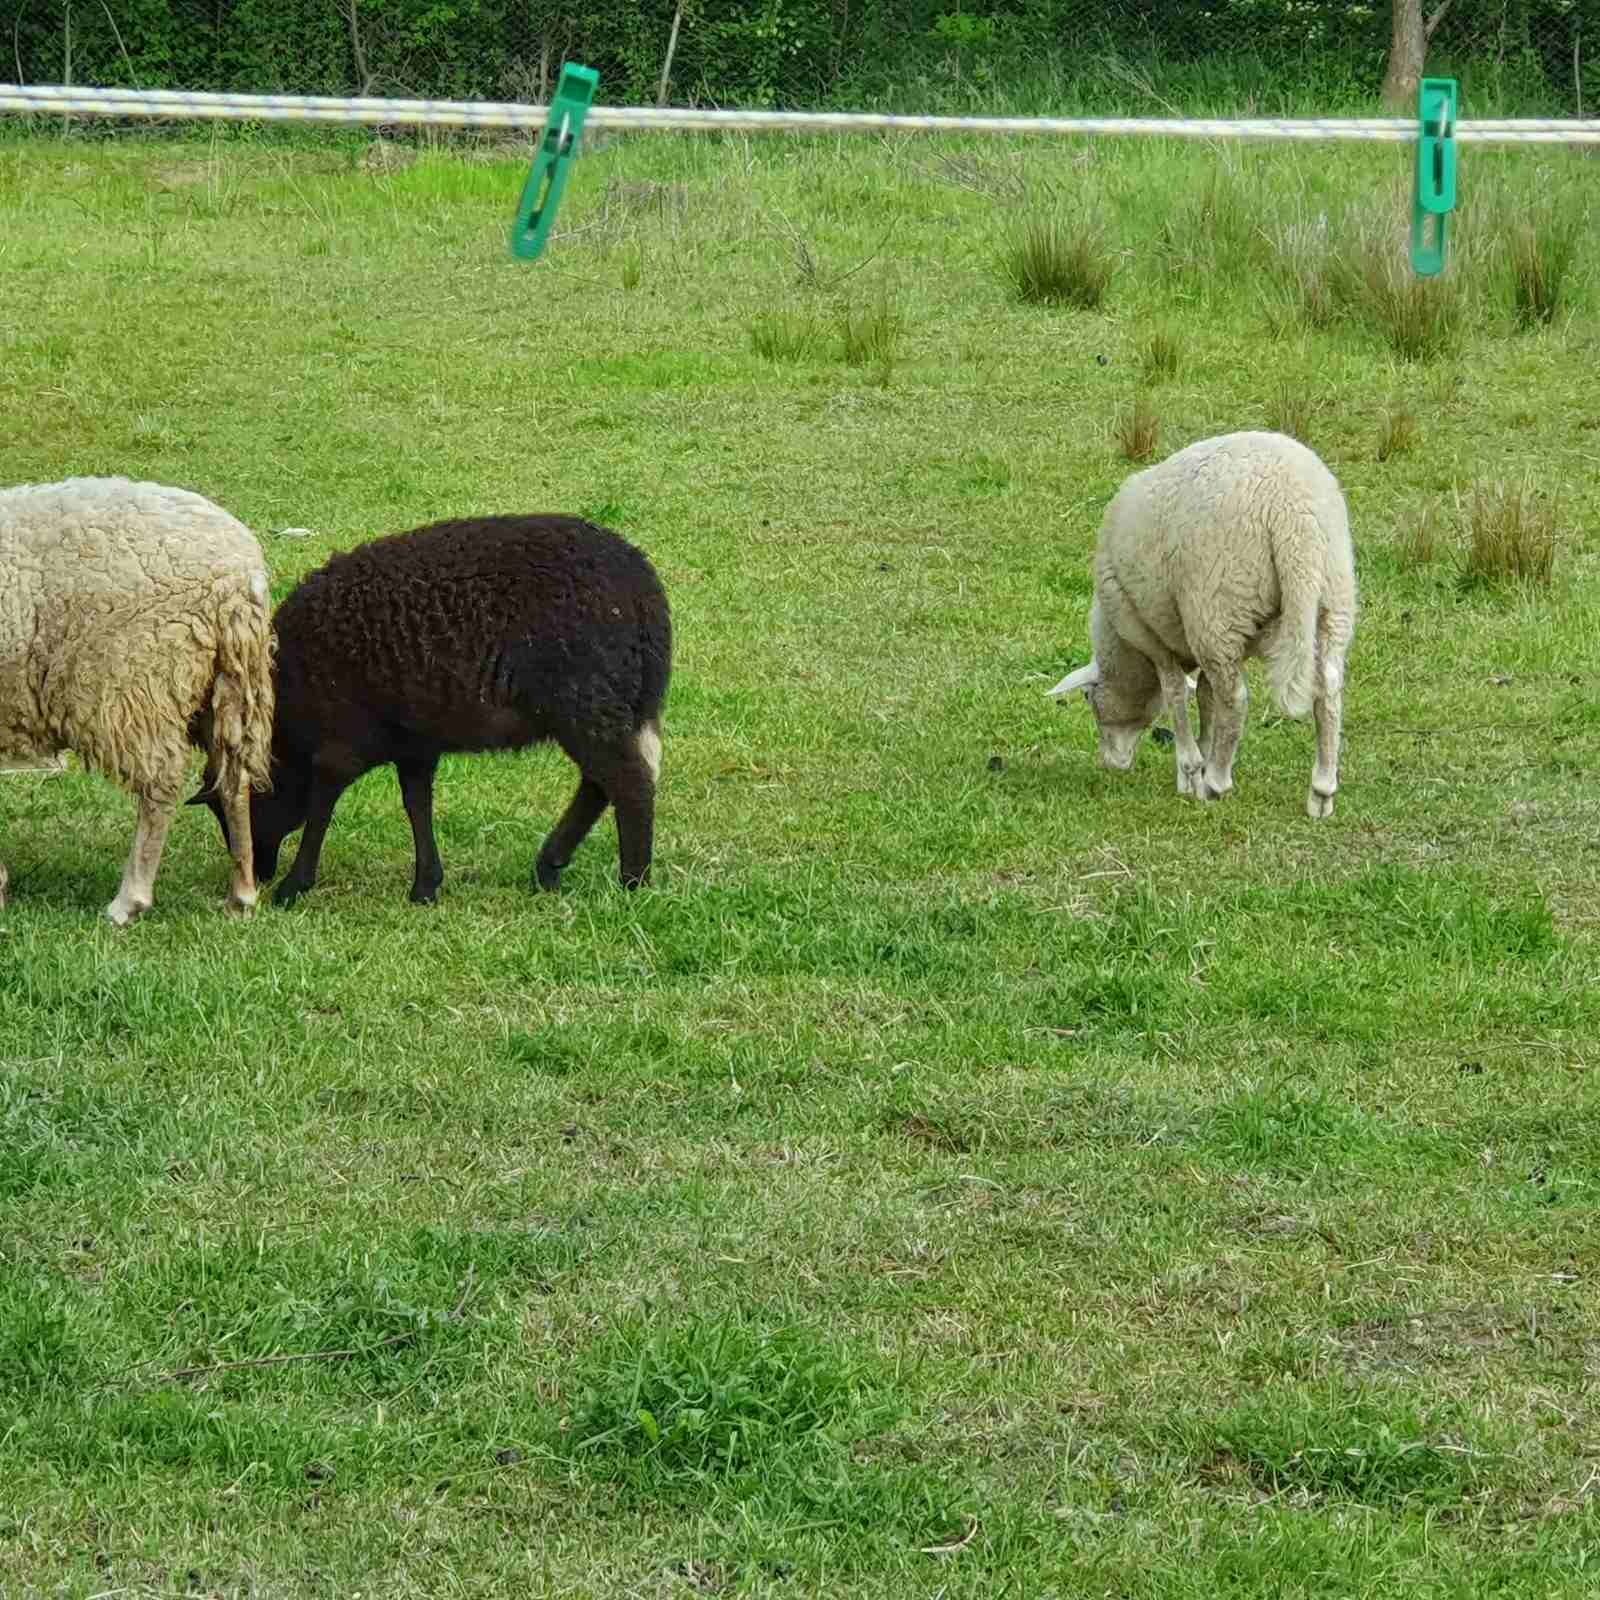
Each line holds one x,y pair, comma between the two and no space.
491,633
1232,547
135,621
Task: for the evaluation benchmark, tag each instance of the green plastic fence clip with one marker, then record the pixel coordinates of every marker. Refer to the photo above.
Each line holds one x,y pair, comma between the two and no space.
541,194
1434,193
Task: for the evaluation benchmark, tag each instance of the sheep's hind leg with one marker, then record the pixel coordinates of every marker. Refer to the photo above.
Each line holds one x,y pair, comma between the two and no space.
1175,691
416,790
626,777
242,884
1230,700
137,893
573,828
633,798
1208,716
5,878
1328,708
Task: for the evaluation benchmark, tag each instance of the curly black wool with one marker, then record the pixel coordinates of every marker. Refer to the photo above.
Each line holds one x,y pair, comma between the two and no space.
486,633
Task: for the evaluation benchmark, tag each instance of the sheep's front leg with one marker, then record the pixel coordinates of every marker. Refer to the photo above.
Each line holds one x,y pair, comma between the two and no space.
1328,708
326,787
1230,699
416,790
1175,691
5,878
137,893
573,828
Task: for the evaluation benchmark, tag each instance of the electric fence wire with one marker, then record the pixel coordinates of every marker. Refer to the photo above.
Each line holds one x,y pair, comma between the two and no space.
180,105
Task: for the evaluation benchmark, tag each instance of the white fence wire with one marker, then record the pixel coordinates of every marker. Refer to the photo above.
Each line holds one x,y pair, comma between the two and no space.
179,105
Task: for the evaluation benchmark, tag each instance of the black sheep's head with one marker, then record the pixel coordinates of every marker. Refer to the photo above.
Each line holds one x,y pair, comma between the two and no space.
274,815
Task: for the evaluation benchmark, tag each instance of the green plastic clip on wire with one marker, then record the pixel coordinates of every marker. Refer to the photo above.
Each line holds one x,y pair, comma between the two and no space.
541,194
1434,192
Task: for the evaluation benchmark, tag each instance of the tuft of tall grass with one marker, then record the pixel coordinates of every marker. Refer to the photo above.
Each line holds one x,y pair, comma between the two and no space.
1335,1442
870,335
1059,260
1397,431
1421,541
785,335
1541,249
1292,409
673,1409
1138,429
1159,355
1214,228
1421,318
1304,258
1511,536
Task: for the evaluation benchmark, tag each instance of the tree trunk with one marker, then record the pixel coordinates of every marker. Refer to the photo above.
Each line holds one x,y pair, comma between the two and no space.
1408,52
666,65
357,48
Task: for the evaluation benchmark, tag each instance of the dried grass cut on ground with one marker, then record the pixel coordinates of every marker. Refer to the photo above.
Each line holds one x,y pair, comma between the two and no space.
965,1171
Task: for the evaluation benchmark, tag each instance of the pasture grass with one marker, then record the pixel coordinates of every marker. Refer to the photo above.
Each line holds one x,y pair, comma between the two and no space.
1058,259
965,1172
1138,429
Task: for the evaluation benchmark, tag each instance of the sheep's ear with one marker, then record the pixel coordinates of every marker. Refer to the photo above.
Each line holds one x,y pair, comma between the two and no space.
1081,678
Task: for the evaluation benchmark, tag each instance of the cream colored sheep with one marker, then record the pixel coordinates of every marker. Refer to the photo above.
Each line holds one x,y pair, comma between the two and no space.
135,622
1234,546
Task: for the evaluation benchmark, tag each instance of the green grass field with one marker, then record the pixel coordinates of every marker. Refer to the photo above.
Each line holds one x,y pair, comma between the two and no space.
966,1172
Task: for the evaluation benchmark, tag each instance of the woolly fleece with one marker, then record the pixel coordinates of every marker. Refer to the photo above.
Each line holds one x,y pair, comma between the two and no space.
1235,546
1208,547
134,621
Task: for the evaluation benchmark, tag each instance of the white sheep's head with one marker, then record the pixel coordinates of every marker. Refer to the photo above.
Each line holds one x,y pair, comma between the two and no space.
1122,689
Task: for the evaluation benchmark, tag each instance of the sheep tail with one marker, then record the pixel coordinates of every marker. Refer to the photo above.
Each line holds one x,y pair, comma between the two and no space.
1300,552
242,697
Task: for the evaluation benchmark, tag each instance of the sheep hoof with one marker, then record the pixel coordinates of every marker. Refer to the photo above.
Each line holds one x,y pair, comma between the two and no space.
422,895
287,893
546,874
1318,806
123,912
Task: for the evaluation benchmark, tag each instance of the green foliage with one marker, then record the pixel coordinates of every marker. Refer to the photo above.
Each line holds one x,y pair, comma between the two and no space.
1397,431
1160,355
1293,407
1511,535
1138,429
718,1398
1059,259
39,1351
870,334
1542,249
1286,1125
1334,1443
1278,55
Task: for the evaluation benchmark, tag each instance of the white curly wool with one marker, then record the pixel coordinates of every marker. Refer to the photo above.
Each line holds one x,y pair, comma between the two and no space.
1235,546
134,620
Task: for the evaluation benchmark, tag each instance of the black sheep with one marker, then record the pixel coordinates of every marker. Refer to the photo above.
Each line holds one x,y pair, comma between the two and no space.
488,633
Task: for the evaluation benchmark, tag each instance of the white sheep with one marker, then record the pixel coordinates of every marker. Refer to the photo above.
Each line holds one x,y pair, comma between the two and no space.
1232,547
135,622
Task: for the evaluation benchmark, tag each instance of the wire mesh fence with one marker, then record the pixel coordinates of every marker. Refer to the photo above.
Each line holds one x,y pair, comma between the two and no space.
1136,57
